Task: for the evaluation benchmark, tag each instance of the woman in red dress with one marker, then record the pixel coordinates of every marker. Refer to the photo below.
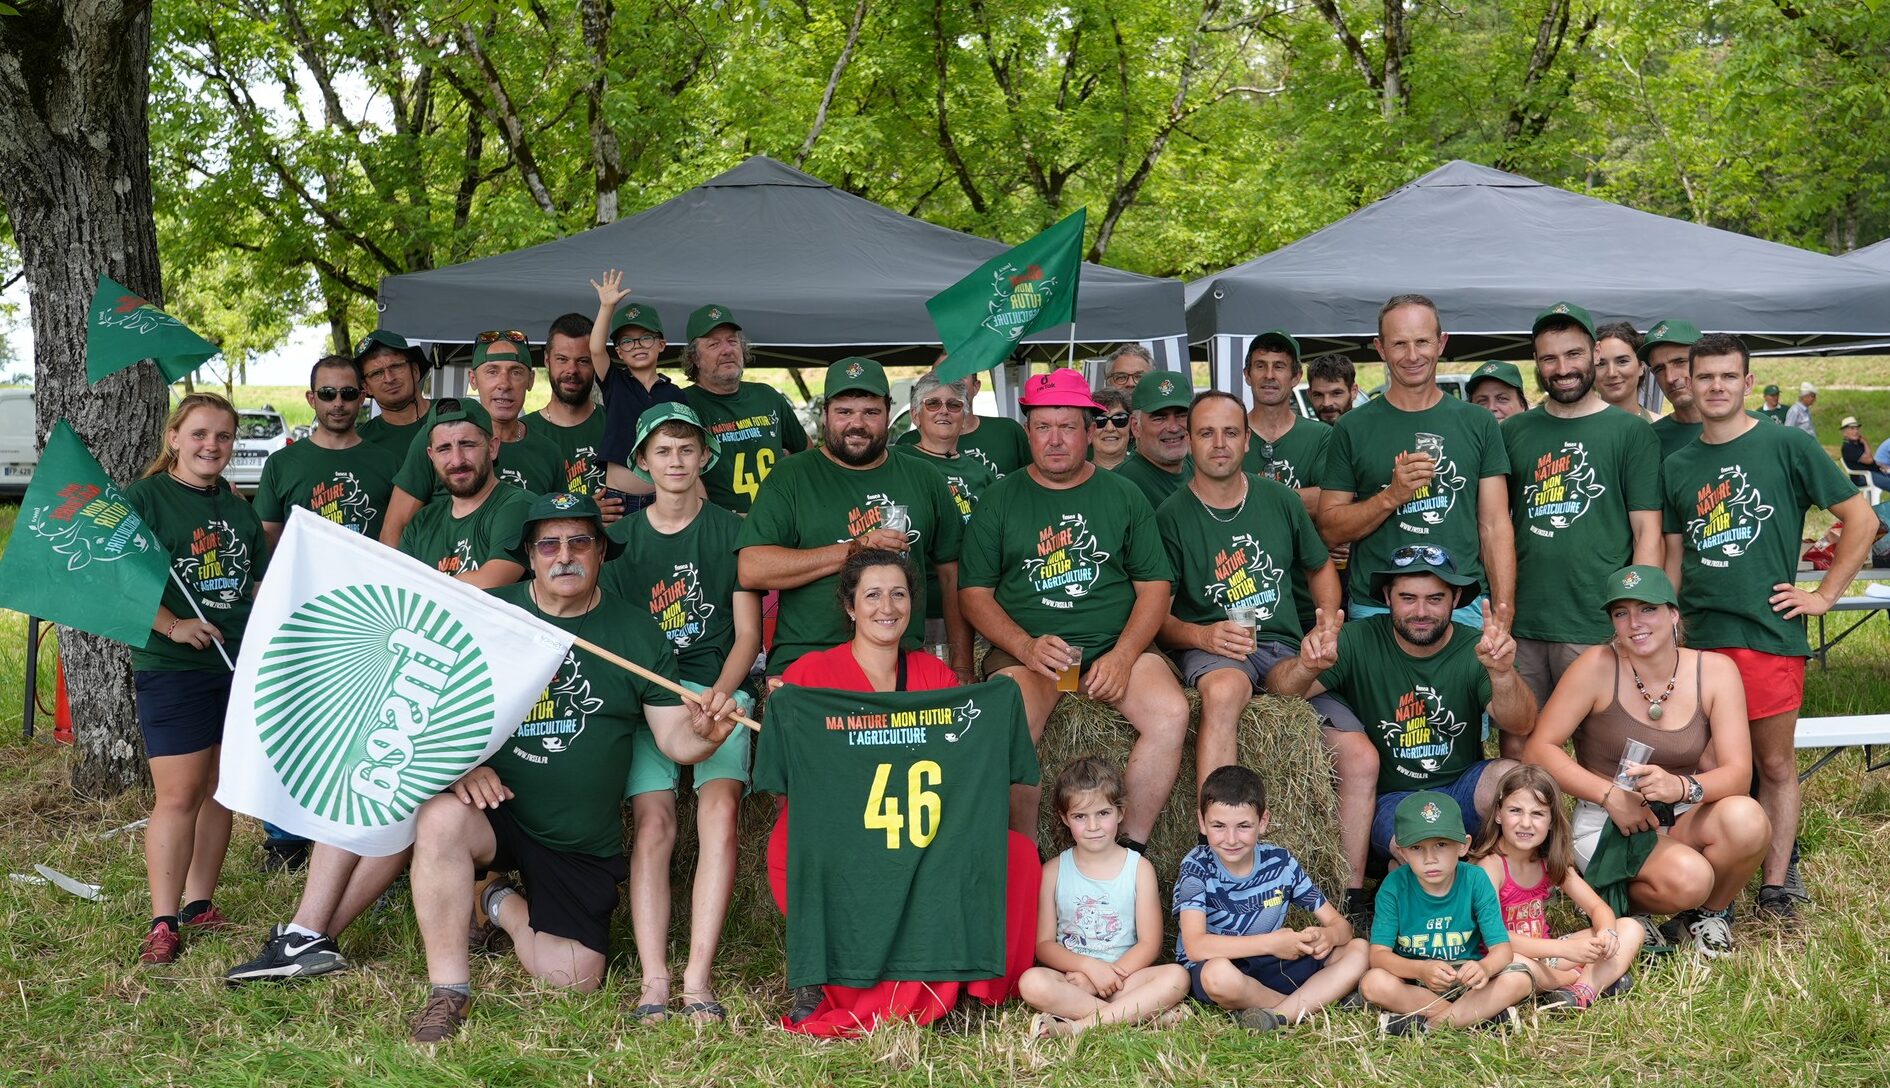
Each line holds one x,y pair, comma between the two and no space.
876,590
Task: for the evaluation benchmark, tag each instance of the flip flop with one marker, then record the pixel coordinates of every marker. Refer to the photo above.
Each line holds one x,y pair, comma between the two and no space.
711,1009
650,1014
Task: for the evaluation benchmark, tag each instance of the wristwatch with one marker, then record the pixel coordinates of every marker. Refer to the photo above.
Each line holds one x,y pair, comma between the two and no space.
1695,792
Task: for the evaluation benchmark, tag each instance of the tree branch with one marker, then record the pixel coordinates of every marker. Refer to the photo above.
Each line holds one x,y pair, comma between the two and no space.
940,64
504,116
1349,40
833,83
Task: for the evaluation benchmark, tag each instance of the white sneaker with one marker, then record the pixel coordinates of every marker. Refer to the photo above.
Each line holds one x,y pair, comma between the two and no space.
1712,935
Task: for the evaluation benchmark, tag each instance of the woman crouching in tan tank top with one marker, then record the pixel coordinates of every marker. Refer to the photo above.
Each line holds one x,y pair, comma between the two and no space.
1690,707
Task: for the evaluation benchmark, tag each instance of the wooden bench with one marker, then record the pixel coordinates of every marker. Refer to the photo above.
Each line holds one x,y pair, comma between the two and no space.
1869,731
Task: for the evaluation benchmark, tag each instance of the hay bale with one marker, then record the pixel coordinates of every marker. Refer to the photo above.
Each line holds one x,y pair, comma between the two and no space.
1278,738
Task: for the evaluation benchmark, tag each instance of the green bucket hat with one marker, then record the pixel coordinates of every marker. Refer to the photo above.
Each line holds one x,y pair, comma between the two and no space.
1507,373
658,414
1425,559
1564,311
458,410
1160,390
1276,340
1425,815
391,341
1670,330
641,314
706,319
565,504
1642,582
855,375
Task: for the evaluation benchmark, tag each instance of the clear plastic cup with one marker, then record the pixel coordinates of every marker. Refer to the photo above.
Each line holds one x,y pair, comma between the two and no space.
1632,752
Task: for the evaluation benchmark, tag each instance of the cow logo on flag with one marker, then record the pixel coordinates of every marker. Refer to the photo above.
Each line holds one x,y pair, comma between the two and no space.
405,701
1016,297
89,526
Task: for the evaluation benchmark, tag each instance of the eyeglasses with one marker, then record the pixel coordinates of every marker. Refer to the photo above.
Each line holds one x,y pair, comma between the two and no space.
933,404
548,547
1120,419
1126,379
328,393
643,341
1428,554
494,335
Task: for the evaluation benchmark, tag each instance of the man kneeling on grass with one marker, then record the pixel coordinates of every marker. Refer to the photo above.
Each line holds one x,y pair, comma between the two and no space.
547,804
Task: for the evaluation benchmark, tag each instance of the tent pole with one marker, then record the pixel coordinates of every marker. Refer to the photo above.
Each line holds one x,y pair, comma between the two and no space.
1072,360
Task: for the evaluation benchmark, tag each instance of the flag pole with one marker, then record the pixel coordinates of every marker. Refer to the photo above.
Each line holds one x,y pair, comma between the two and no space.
194,607
660,681
1072,362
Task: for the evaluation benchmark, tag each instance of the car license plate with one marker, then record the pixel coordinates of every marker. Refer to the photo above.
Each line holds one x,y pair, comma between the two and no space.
249,457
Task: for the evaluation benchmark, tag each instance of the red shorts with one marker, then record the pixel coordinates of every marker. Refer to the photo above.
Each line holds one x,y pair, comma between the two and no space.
1774,684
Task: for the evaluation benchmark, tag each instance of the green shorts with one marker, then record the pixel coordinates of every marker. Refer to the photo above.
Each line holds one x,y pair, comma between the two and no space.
651,770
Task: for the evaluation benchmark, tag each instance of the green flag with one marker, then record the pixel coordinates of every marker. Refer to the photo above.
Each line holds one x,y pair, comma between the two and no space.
981,318
122,329
80,555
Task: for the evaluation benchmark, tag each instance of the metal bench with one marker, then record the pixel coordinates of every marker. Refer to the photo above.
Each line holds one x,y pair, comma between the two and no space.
1869,606
1868,731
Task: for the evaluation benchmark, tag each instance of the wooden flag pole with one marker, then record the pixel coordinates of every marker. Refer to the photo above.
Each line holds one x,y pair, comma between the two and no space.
198,609
660,681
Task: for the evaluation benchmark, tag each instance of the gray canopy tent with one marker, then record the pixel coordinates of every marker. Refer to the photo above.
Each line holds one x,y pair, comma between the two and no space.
1493,249
1872,256
813,273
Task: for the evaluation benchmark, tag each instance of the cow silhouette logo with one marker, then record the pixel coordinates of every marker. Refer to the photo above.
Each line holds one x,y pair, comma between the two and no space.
963,718
1069,558
1432,501
1729,515
1560,489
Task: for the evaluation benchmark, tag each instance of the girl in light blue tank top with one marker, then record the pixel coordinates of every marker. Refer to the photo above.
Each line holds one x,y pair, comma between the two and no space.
1099,919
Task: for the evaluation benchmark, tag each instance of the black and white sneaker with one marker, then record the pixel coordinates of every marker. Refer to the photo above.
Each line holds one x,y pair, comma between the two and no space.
1711,931
1794,885
287,955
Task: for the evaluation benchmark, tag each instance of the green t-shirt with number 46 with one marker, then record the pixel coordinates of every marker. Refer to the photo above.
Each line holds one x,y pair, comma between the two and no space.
755,427
899,803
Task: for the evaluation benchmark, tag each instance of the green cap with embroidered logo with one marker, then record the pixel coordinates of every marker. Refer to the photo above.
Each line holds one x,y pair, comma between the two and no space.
1426,815
641,314
1641,582
458,410
1670,330
707,319
672,411
1507,373
1564,311
507,348
1160,390
563,504
856,375
1276,340
384,340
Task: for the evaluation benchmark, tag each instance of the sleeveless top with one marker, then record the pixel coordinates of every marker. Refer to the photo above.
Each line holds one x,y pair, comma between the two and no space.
1525,910
1096,918
1604,733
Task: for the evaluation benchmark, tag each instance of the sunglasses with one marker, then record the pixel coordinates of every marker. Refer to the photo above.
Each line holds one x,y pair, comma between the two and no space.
1428,554
1120,419
548,547
494,335
934,404
328,393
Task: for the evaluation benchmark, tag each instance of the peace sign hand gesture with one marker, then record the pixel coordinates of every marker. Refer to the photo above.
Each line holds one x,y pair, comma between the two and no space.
1319,649
1496,650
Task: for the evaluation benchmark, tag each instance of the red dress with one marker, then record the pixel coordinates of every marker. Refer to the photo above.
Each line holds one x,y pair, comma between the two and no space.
850,1011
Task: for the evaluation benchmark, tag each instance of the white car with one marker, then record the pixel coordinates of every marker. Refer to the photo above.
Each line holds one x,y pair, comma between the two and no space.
259,433
18,456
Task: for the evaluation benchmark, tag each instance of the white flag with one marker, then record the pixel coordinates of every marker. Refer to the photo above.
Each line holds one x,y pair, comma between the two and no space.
367,684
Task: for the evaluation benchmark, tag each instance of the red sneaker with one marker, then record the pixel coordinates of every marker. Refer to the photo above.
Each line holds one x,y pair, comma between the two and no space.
160,945
211,920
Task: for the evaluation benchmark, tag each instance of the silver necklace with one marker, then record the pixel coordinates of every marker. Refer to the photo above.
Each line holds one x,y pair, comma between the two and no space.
1245,491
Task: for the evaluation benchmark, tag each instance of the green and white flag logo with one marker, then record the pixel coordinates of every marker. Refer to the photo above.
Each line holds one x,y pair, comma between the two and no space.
367,684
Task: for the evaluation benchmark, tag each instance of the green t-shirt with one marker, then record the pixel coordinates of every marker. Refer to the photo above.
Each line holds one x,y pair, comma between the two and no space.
1064,562
1469,449
1674,435
1155,483
395,438
217,549
1423,714
1245,555
967,480
999,444
1572,483
348,487
1776,415
1297,459
1739,508
530,464
567,761
811,502
580,450
684,581
454,545
896,856
1461,924
756,427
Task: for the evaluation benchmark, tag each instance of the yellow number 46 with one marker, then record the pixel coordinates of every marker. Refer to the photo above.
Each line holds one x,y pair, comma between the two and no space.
882,812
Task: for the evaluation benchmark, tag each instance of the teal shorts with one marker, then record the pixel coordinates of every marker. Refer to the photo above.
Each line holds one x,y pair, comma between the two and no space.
651,770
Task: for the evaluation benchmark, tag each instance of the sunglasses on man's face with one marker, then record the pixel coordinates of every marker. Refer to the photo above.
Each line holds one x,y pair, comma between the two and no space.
494,335
1119,419
328,393
548,547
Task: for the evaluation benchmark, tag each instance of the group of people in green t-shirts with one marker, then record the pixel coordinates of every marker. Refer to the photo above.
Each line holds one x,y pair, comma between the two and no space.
1427,576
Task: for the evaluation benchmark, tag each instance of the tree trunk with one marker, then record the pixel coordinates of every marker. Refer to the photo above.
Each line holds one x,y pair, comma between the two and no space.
75,177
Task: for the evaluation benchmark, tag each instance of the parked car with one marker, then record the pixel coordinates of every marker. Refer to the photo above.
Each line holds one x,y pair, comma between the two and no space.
259,433
18,455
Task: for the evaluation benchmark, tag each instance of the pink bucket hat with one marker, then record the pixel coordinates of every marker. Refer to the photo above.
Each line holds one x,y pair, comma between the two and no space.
1060,388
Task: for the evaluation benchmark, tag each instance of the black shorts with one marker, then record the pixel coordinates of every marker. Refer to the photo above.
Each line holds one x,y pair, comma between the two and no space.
181,712
571,895
1280,976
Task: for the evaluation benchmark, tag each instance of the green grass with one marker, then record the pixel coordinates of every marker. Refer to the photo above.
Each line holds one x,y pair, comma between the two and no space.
1798,1007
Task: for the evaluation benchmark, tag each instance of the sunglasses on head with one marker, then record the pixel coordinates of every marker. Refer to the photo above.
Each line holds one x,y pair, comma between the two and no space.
328,393
494,335
1428,554
548,547
1119,419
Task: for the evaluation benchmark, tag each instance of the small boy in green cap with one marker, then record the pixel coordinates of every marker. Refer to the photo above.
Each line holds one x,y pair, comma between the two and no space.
1440,952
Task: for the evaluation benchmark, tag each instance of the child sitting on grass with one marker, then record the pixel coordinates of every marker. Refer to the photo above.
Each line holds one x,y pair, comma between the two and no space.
1440,953
1099,918
1527,852
1231,898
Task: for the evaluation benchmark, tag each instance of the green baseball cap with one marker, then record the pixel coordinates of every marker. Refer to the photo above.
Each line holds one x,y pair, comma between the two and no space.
458,410
565,504
1277,340
641,314
1507,373
1424,559
1160,390
855,375
1670,330
521,349
1564,311
1641,582
671,411
705,319
1770,391
383,339
1427,814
